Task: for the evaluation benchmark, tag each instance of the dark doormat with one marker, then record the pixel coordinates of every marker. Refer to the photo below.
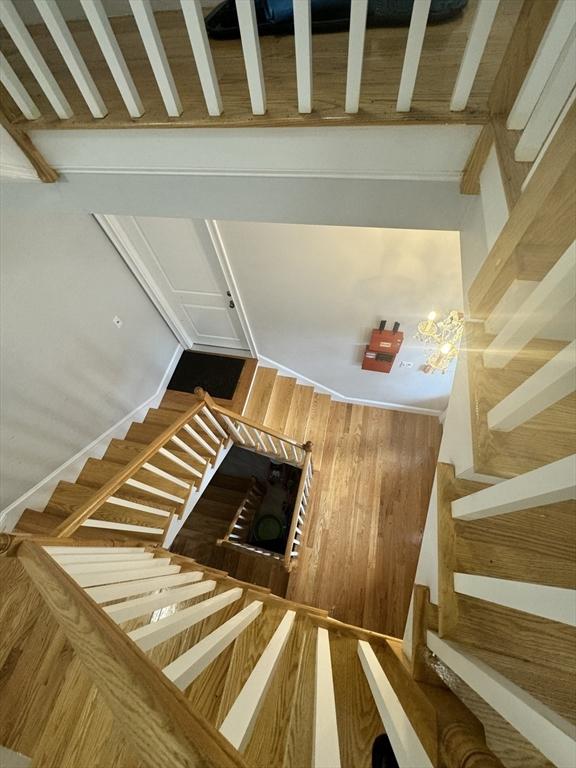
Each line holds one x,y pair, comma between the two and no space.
217,374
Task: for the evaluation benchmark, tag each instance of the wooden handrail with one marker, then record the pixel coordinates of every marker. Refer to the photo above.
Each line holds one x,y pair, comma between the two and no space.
153,715
73,522
297,503
256,425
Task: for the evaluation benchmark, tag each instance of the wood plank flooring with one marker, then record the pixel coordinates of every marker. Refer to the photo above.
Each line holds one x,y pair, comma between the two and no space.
373,471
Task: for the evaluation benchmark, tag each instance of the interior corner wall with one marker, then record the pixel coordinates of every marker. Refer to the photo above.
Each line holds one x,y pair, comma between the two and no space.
68,374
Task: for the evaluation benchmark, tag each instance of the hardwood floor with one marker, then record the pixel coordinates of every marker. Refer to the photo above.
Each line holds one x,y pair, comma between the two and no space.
373,471
369,504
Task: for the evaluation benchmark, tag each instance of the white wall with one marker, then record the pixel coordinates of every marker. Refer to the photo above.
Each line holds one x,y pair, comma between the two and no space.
68,373
313,294
13,162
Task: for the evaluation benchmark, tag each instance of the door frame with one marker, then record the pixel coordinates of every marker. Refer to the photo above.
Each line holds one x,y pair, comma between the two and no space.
129,251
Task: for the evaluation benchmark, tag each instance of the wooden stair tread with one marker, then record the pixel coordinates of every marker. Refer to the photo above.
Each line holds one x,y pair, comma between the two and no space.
300,407
124,451
69,497
169,650
261,393
227,495
354,703
543,439
175,400
279,406
247,650
318,426
221,480
147,432
97,472
537,545
274,726
44,524
535,653
214,509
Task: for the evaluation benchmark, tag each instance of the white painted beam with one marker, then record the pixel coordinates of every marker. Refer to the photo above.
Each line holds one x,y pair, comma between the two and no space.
546,485
151,635
555,37
303,48
115,60
252,55
545,729
404,740
556,92
111,592
239,722
138,606
555,380
414,44
69,51
113,577
186,668
356,38
475,45
550,297
326,742
554,603
144,16
33,58
15,88
194,19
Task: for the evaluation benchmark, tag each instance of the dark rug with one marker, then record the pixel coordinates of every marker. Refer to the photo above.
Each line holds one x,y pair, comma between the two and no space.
217,374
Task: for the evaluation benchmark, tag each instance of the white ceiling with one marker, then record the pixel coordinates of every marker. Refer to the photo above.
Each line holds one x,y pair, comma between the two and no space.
313,293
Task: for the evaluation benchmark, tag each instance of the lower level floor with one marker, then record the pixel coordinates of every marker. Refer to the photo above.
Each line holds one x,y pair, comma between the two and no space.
373,473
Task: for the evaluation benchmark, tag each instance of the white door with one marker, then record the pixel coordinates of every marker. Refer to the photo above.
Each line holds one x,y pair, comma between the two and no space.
177,263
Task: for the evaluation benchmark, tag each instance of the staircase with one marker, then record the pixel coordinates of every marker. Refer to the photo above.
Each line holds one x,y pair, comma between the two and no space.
136,656
503,632
147,485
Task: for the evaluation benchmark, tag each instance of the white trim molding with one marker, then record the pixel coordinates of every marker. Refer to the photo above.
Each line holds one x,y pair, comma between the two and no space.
38,496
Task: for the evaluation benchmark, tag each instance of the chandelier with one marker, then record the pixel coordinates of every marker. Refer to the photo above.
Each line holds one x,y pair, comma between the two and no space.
442,335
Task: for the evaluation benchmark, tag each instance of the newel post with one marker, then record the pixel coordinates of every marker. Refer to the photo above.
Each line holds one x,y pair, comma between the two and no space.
460,747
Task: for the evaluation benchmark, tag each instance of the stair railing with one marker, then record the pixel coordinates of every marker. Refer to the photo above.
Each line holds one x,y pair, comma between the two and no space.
126,473
199,434
239,528
151,712
299,513
256,437
86,596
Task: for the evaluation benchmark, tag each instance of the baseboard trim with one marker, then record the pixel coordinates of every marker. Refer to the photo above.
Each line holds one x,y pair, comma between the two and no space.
282,369
38,496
